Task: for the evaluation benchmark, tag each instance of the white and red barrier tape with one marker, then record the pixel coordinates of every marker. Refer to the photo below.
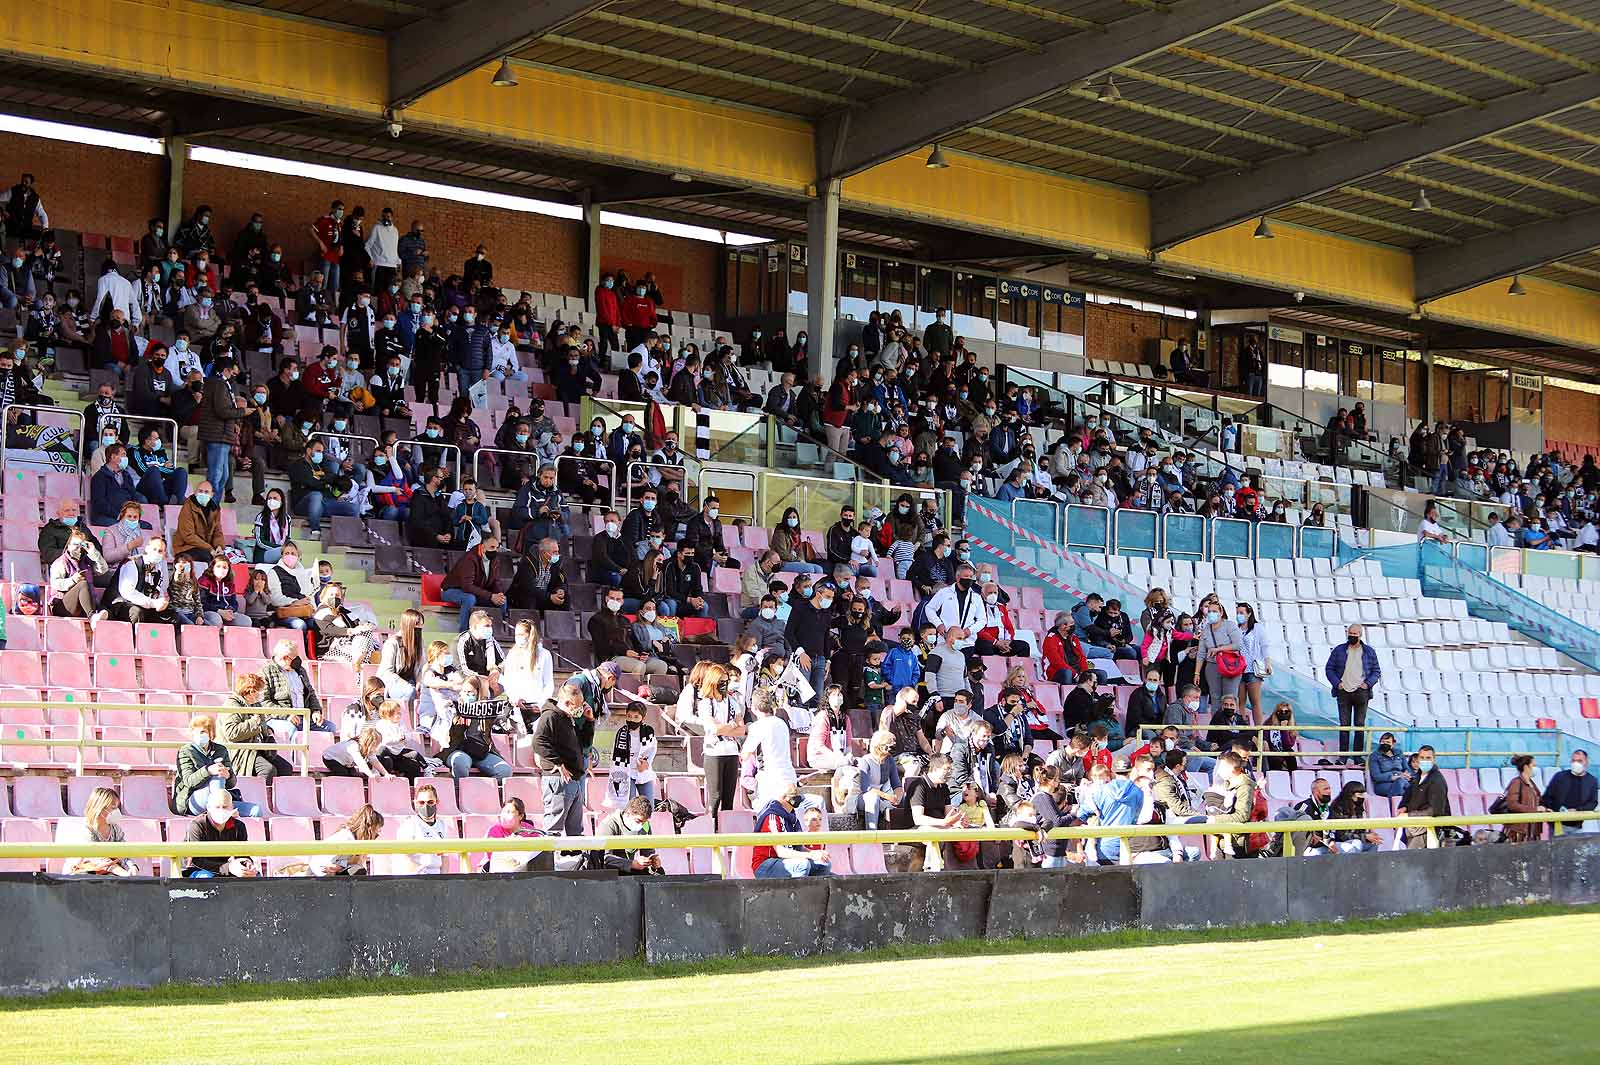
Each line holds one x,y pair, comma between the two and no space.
1110,578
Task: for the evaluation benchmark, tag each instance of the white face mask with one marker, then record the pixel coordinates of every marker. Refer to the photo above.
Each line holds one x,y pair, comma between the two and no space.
648,615
1579,768
220,817
836,700
613,605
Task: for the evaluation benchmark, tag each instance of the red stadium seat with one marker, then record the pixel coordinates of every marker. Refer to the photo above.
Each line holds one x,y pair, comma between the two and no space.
163,671
22,633
113,637
479,795
65,634
295,797
240,642
22,830
111,671
391,796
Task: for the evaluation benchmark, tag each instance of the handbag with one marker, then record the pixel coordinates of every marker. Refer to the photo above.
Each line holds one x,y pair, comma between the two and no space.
1229,664
294,610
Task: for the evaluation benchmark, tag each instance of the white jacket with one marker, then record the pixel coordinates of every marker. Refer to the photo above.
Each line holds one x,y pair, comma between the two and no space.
120,289
383,245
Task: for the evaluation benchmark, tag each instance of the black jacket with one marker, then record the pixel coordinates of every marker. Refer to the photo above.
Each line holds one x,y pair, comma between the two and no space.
839,537
808,628
1431,793
609,631
703,535
1143,709
610,555
556,742
428,521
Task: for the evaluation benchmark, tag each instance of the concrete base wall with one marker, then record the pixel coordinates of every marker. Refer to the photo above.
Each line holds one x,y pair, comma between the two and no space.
93,934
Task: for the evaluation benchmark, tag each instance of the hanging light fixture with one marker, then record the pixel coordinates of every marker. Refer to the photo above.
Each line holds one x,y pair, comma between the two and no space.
936,159
1516,288
1421,203
1263,231
1109,93
505,77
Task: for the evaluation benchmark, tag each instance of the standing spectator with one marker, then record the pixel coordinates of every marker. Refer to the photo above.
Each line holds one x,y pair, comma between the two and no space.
1352,670
383,248
25,214
1218,636
1257,657
1574,788
478,269
1522,797
328,231
413,251
608,314
221,411
638,316
768,742
560,756
1427,796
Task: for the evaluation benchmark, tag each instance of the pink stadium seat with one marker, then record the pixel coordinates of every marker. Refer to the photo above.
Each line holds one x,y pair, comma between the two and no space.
140,830
111,671
391,796
675,860
525,788
238,642
72,671
206,674
20,535
200,641
253,789
124,718
21,715
24,484
22,633
867,858
294,636
155,639
163,671
122,757
66,634
5,800
295,797
686,790
479,795
113,637
23,830
25,668
166,719
36,796
291,829
145,796
343,796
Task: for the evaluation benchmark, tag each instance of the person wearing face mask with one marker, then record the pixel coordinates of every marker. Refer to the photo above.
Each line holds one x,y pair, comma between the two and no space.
219,822
318,488
1353,672
101,823
608,313
1426,796
960,606
423,826
639,315
201,319
140,592
1389,769
199,534
1573,788
72,577
809,631
609,558
204,766
684,582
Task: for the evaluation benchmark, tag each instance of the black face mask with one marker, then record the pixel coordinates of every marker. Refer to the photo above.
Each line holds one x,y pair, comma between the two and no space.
1353,640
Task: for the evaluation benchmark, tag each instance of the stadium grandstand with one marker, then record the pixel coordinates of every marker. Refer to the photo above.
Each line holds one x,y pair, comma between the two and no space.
483,421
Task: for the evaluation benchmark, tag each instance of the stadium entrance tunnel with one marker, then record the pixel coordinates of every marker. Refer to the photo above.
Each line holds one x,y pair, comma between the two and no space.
89,934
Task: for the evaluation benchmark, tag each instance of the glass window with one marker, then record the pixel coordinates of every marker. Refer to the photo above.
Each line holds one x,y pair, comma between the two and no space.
858,285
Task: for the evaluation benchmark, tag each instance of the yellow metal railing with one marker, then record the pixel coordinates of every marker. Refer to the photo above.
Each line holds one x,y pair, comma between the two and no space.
1555,757
175,851
84,740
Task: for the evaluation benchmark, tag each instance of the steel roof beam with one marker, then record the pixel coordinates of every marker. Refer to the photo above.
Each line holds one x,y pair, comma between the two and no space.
435,51
907,120
1442,271
1180,215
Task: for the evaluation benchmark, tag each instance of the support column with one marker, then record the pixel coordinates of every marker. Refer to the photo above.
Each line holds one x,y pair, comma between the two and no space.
177,160
1427,384
822,277
591,258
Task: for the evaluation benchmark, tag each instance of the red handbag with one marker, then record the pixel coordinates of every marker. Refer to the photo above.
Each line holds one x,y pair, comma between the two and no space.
1230,664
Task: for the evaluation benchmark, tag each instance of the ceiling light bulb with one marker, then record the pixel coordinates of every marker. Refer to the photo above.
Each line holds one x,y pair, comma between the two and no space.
1263,231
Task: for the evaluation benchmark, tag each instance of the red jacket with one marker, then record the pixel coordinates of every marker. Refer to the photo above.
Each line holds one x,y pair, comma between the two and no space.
607,311
639,312
1059,655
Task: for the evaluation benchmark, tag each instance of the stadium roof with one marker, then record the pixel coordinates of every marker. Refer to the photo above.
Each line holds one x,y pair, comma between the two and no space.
1330,116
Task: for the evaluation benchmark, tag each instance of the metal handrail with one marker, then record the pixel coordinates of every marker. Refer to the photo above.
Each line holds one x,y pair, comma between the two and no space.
82,741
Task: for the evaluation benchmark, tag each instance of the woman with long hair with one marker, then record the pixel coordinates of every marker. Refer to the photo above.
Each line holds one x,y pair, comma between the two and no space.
101,823
721,717
364,824
792,548
271,531
1257,657
400,661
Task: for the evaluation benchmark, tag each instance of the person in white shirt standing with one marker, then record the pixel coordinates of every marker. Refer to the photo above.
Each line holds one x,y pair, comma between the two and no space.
768,742
959,606
383,248
424,825
1430,529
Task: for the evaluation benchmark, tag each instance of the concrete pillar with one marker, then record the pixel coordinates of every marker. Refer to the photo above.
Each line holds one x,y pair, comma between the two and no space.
591,259
822,277
1427,383
177,159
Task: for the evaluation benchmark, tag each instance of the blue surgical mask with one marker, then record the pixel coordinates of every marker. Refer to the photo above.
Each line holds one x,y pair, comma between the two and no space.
203,498
380,461
608,283
131,524
792,522
522,438
205,301
1241,617
316,458
69,522
338,425
431,434
648,505
1152,686
805,593
305,427
1213,616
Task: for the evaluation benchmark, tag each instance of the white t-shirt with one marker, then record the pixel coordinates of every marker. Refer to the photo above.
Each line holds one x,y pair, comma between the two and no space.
769,737
861,550
712,712
1430,529
416,828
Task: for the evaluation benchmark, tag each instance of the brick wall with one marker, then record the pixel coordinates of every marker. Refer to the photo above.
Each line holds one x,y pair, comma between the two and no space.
1121,334
1572,417
100,190
104,190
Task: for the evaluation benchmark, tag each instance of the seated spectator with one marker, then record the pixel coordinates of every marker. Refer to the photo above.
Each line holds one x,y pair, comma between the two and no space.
219,603
249,725
1389,768
632,820
439,690
1231,799
140,593
318,487
829,742
364,824
610,558
99,824
1351,804
291,588
113,487
539,583
342,636
258,606
470,582
160,481
1281,739
54,534
684,582
423,826
290,695
785,861
204,766
199,534
218,823
795,553
72,578
478,656
512,823
271,531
